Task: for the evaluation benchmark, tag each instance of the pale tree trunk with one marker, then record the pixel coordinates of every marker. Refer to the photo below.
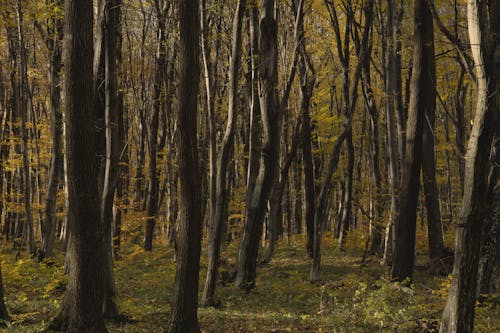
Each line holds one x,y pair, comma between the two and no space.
112,8
185,303
219,217
483,25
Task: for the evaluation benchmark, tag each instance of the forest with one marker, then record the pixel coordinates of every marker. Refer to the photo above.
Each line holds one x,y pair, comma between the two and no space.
191,166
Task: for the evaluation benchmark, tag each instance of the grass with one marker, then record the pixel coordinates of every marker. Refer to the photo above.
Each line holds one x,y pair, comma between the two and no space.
351,298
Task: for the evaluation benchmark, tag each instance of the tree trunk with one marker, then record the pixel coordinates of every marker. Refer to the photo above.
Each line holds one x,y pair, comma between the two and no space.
222,189
56,164
431,192
81,309
268,80
185,303
458,315
4,314
26,189
403,252
160,61
112,9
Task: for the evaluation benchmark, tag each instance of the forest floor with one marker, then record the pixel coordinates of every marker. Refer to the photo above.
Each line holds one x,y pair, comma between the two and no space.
352,297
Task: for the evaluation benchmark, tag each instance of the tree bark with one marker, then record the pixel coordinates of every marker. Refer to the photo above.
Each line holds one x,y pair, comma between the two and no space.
484,32
403,253
222,189
185,303
269,105
56,164
81,309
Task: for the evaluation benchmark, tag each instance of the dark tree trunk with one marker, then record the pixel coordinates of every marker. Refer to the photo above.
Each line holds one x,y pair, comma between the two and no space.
484,32
4,314
222,188
81,309
160,65
56,164
431,192
403,253
22,105
268,79
185,302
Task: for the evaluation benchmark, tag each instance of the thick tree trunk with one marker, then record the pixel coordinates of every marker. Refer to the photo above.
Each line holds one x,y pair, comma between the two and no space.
483,26
185,303
81,309
219,217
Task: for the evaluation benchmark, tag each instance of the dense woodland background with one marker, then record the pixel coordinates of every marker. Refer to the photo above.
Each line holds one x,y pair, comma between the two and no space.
244,165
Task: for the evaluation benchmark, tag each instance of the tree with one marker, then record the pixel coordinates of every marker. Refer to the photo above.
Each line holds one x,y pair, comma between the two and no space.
111,13
81,309
421,99
484,29
219,212
185,303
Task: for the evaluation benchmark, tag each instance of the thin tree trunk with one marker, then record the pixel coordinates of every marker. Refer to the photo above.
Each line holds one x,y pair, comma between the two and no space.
56,164
112,9
26,189
222,189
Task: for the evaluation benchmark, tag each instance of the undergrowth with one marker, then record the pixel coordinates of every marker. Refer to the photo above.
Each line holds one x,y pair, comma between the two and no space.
352,297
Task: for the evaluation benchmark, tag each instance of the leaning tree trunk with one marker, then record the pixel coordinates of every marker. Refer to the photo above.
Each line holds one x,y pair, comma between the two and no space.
222,189
184,308
268,80
81,309
403,253
458,315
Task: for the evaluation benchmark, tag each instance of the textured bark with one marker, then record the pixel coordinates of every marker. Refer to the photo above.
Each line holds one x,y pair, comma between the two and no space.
56,164
111,14
160,65
81,309
484,29
268,79
431,192
222,188
403,253
26,188
185,302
